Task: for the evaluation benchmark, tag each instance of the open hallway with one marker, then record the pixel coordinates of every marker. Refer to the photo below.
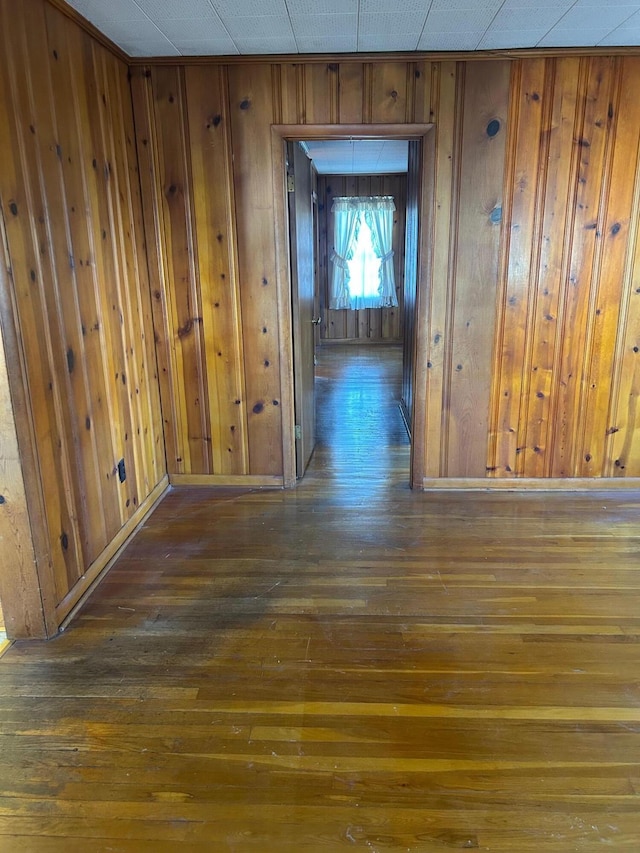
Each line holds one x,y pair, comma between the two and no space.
348,665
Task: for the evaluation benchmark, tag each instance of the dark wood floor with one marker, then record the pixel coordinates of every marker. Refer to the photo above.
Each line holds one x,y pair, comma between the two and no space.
345,666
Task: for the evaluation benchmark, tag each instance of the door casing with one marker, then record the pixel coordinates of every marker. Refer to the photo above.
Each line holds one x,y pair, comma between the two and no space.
280,134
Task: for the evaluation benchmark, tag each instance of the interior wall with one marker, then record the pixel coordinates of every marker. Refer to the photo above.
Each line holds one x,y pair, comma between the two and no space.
532,314
76,309
370,324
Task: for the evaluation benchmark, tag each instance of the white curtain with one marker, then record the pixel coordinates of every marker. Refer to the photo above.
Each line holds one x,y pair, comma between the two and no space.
379,218
346,218
378,214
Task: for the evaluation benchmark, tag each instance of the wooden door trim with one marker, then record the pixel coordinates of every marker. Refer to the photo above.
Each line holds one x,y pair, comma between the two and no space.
281,133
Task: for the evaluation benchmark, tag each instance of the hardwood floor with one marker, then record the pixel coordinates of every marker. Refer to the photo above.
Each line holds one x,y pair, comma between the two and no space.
345,666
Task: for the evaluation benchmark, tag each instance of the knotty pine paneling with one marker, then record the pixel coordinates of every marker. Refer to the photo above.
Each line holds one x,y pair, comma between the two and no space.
76,307
530,323
565,399
369,324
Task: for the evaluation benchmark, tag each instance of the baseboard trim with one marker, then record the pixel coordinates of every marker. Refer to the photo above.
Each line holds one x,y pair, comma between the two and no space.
530,484
75,598
238,481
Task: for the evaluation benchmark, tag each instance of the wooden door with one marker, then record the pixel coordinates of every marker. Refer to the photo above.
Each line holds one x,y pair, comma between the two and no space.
299,185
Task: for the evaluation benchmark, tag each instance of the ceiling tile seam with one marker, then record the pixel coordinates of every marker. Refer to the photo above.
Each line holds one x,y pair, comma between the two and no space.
621,24
295,37
491,22
551,29
426,18
164,36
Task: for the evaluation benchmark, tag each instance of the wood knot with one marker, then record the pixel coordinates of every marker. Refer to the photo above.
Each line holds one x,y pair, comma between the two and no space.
244,105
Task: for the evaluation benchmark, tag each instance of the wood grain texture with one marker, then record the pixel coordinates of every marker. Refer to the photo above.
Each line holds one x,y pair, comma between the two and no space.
400,671
77,294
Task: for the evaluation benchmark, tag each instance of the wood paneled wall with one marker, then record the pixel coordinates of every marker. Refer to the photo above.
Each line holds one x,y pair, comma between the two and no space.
529,327
76,309
370,324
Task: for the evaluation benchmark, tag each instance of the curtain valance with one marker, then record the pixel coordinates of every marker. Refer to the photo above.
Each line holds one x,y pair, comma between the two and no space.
364,204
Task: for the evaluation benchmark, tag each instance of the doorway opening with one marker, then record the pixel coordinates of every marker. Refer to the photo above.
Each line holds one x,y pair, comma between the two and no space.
294,267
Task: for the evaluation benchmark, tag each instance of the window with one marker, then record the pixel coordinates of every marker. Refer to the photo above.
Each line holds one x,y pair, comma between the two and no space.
362,256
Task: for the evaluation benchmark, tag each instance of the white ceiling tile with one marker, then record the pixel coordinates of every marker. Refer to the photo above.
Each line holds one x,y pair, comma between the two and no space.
115,10
206,47
322,7
393,41
593,17
244,8
573,38
334,44
533,5
505,39
266,45
132,31
168,9
467,20
458,5
620,37
450,41
324,26
392,24
150,47
378,7
255,27
604,4
197,28
521,19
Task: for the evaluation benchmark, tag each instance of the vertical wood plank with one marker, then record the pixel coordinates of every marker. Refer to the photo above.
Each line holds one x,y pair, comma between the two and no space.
446,106
214,208
183,294
251,113
521,237
559,185
321,93
351,89
388,93
611,275
577,296
480,213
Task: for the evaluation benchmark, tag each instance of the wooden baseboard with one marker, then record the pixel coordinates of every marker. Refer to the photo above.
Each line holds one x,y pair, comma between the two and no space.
75,598
522,484
240,481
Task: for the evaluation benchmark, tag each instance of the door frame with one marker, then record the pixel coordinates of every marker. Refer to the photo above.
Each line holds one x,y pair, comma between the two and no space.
280,134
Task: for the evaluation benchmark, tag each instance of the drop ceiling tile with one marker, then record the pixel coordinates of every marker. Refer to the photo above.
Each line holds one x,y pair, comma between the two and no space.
393,41
574,38
255,27
620,37
193,28
168,9
266,45
98,11
322,7
593,17
450,41
469,20
505,39
380,7
206,47
149,47
521,19
603,4
532,5
391,24
324,26
244,8
333,44
491,6
132,31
